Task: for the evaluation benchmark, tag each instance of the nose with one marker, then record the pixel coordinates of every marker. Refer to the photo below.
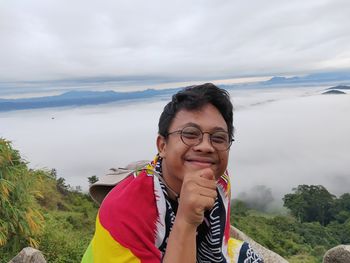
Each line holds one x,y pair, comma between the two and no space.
205,145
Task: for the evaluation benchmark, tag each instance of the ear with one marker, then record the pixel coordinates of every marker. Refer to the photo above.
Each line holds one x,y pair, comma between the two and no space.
161,145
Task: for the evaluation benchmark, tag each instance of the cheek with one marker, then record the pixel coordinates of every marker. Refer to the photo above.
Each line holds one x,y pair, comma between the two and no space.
223,162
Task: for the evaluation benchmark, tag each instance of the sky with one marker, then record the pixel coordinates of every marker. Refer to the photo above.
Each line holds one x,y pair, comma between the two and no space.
160,41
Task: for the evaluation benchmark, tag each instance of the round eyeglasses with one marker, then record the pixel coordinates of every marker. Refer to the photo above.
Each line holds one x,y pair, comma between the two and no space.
193,136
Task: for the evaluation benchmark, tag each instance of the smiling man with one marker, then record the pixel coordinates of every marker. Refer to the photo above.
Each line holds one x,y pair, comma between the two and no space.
176,208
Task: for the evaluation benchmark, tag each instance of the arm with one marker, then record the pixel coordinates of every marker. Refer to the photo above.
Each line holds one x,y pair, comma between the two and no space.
181,245
198,194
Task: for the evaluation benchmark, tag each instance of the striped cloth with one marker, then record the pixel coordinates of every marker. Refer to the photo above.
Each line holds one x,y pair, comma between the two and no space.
135,219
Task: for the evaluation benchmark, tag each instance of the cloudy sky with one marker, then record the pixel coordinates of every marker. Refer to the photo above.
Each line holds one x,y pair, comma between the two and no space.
171,40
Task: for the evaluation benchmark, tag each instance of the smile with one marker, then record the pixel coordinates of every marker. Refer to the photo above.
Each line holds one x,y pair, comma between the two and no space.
201,162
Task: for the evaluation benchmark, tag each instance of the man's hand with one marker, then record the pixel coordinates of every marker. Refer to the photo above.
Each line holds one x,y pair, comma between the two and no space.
198,194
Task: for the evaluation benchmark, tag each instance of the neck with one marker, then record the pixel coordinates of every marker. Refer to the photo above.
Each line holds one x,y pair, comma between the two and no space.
173,185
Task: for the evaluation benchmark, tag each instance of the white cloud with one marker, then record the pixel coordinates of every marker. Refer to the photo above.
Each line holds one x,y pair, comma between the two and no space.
283,139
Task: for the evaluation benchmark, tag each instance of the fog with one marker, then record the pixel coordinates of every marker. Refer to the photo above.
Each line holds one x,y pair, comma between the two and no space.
284,137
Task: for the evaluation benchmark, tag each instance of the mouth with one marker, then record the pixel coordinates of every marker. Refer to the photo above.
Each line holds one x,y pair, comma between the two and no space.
201,162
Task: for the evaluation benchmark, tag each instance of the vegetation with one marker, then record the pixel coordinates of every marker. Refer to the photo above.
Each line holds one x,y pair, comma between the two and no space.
317,222
38,209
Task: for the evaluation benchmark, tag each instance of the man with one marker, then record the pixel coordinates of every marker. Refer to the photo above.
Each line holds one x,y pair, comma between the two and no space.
176,208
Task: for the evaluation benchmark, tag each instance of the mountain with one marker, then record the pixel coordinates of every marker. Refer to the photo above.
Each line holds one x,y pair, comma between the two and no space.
339,87
333,91
79,98
82,98
309,79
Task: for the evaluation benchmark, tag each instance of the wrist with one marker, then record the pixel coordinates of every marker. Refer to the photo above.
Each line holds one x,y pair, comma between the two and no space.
181,223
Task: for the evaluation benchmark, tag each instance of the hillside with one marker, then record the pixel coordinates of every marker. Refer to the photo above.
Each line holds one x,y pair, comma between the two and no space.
39,209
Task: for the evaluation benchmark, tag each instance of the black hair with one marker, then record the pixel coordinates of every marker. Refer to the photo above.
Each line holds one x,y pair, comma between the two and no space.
194,98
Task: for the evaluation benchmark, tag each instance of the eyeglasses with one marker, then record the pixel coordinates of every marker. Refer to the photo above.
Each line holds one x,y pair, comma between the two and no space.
193,136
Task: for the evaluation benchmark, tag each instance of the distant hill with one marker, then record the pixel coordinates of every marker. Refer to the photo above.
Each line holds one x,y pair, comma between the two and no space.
79,98
339,87
312,78
334,91
83,98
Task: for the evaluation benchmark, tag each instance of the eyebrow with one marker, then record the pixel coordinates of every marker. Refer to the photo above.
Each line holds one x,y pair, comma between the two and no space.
217,128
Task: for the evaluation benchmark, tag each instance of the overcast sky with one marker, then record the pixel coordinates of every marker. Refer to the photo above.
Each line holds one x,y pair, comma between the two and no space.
60,39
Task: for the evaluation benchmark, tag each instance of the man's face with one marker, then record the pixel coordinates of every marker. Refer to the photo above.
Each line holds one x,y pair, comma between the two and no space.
180,159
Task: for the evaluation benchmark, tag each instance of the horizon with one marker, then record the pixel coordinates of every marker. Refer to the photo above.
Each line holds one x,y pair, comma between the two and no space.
30,89
201,42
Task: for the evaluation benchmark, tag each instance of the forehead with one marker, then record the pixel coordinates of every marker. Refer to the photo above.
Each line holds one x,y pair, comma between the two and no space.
207,117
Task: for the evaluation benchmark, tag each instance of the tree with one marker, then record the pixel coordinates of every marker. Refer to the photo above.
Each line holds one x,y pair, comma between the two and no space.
92,179
62,187
53,173
310,203
341,209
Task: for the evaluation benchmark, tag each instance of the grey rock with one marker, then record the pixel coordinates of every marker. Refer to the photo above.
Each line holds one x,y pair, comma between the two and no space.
268,255
338,254
28,255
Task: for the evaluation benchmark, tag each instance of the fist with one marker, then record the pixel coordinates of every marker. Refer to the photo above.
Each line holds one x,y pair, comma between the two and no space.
198,194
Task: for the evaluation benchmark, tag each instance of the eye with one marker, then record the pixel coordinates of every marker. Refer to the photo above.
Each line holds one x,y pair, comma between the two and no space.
191,133
219,137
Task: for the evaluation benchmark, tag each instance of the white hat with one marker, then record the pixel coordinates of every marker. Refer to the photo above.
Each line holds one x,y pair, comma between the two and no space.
101,188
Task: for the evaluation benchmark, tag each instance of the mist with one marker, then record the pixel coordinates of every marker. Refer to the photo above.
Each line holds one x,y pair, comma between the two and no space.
284,137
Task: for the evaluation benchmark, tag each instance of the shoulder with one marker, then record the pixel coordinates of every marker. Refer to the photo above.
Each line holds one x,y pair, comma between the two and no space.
127,218
130,207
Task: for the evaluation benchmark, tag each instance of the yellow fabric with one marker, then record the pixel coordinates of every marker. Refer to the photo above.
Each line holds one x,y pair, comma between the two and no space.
234,247
107,250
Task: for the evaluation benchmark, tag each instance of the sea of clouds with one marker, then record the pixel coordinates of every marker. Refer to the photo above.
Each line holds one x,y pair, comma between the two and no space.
284,137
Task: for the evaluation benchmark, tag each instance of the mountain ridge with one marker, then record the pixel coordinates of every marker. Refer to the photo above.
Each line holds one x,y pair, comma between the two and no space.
88,97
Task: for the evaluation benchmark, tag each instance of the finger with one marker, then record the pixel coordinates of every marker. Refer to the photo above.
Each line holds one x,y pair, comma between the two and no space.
203,182
207,203
208,193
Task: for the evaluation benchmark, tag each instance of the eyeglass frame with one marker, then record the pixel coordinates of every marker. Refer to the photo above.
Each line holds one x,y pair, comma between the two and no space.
201,139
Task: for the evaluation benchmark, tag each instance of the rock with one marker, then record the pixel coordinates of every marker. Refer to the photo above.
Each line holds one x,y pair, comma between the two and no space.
268,255
28,255
338,254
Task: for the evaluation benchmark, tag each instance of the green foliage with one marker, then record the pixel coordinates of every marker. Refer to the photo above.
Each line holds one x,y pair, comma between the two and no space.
38,209
341,208
341,231
302,258
92,179
311,203
239,207
66,236
285,235
20,218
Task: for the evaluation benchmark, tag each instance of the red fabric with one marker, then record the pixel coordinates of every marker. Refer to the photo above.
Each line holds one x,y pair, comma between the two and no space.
120,215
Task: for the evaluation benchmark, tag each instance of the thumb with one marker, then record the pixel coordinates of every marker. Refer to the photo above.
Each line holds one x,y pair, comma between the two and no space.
207,173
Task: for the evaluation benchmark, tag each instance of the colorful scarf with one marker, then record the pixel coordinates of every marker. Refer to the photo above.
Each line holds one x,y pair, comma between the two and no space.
135,219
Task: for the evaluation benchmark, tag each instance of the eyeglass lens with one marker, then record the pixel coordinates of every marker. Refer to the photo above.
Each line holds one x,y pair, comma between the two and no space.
192,136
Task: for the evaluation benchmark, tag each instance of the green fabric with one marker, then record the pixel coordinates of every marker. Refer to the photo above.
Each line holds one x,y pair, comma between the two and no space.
88,255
